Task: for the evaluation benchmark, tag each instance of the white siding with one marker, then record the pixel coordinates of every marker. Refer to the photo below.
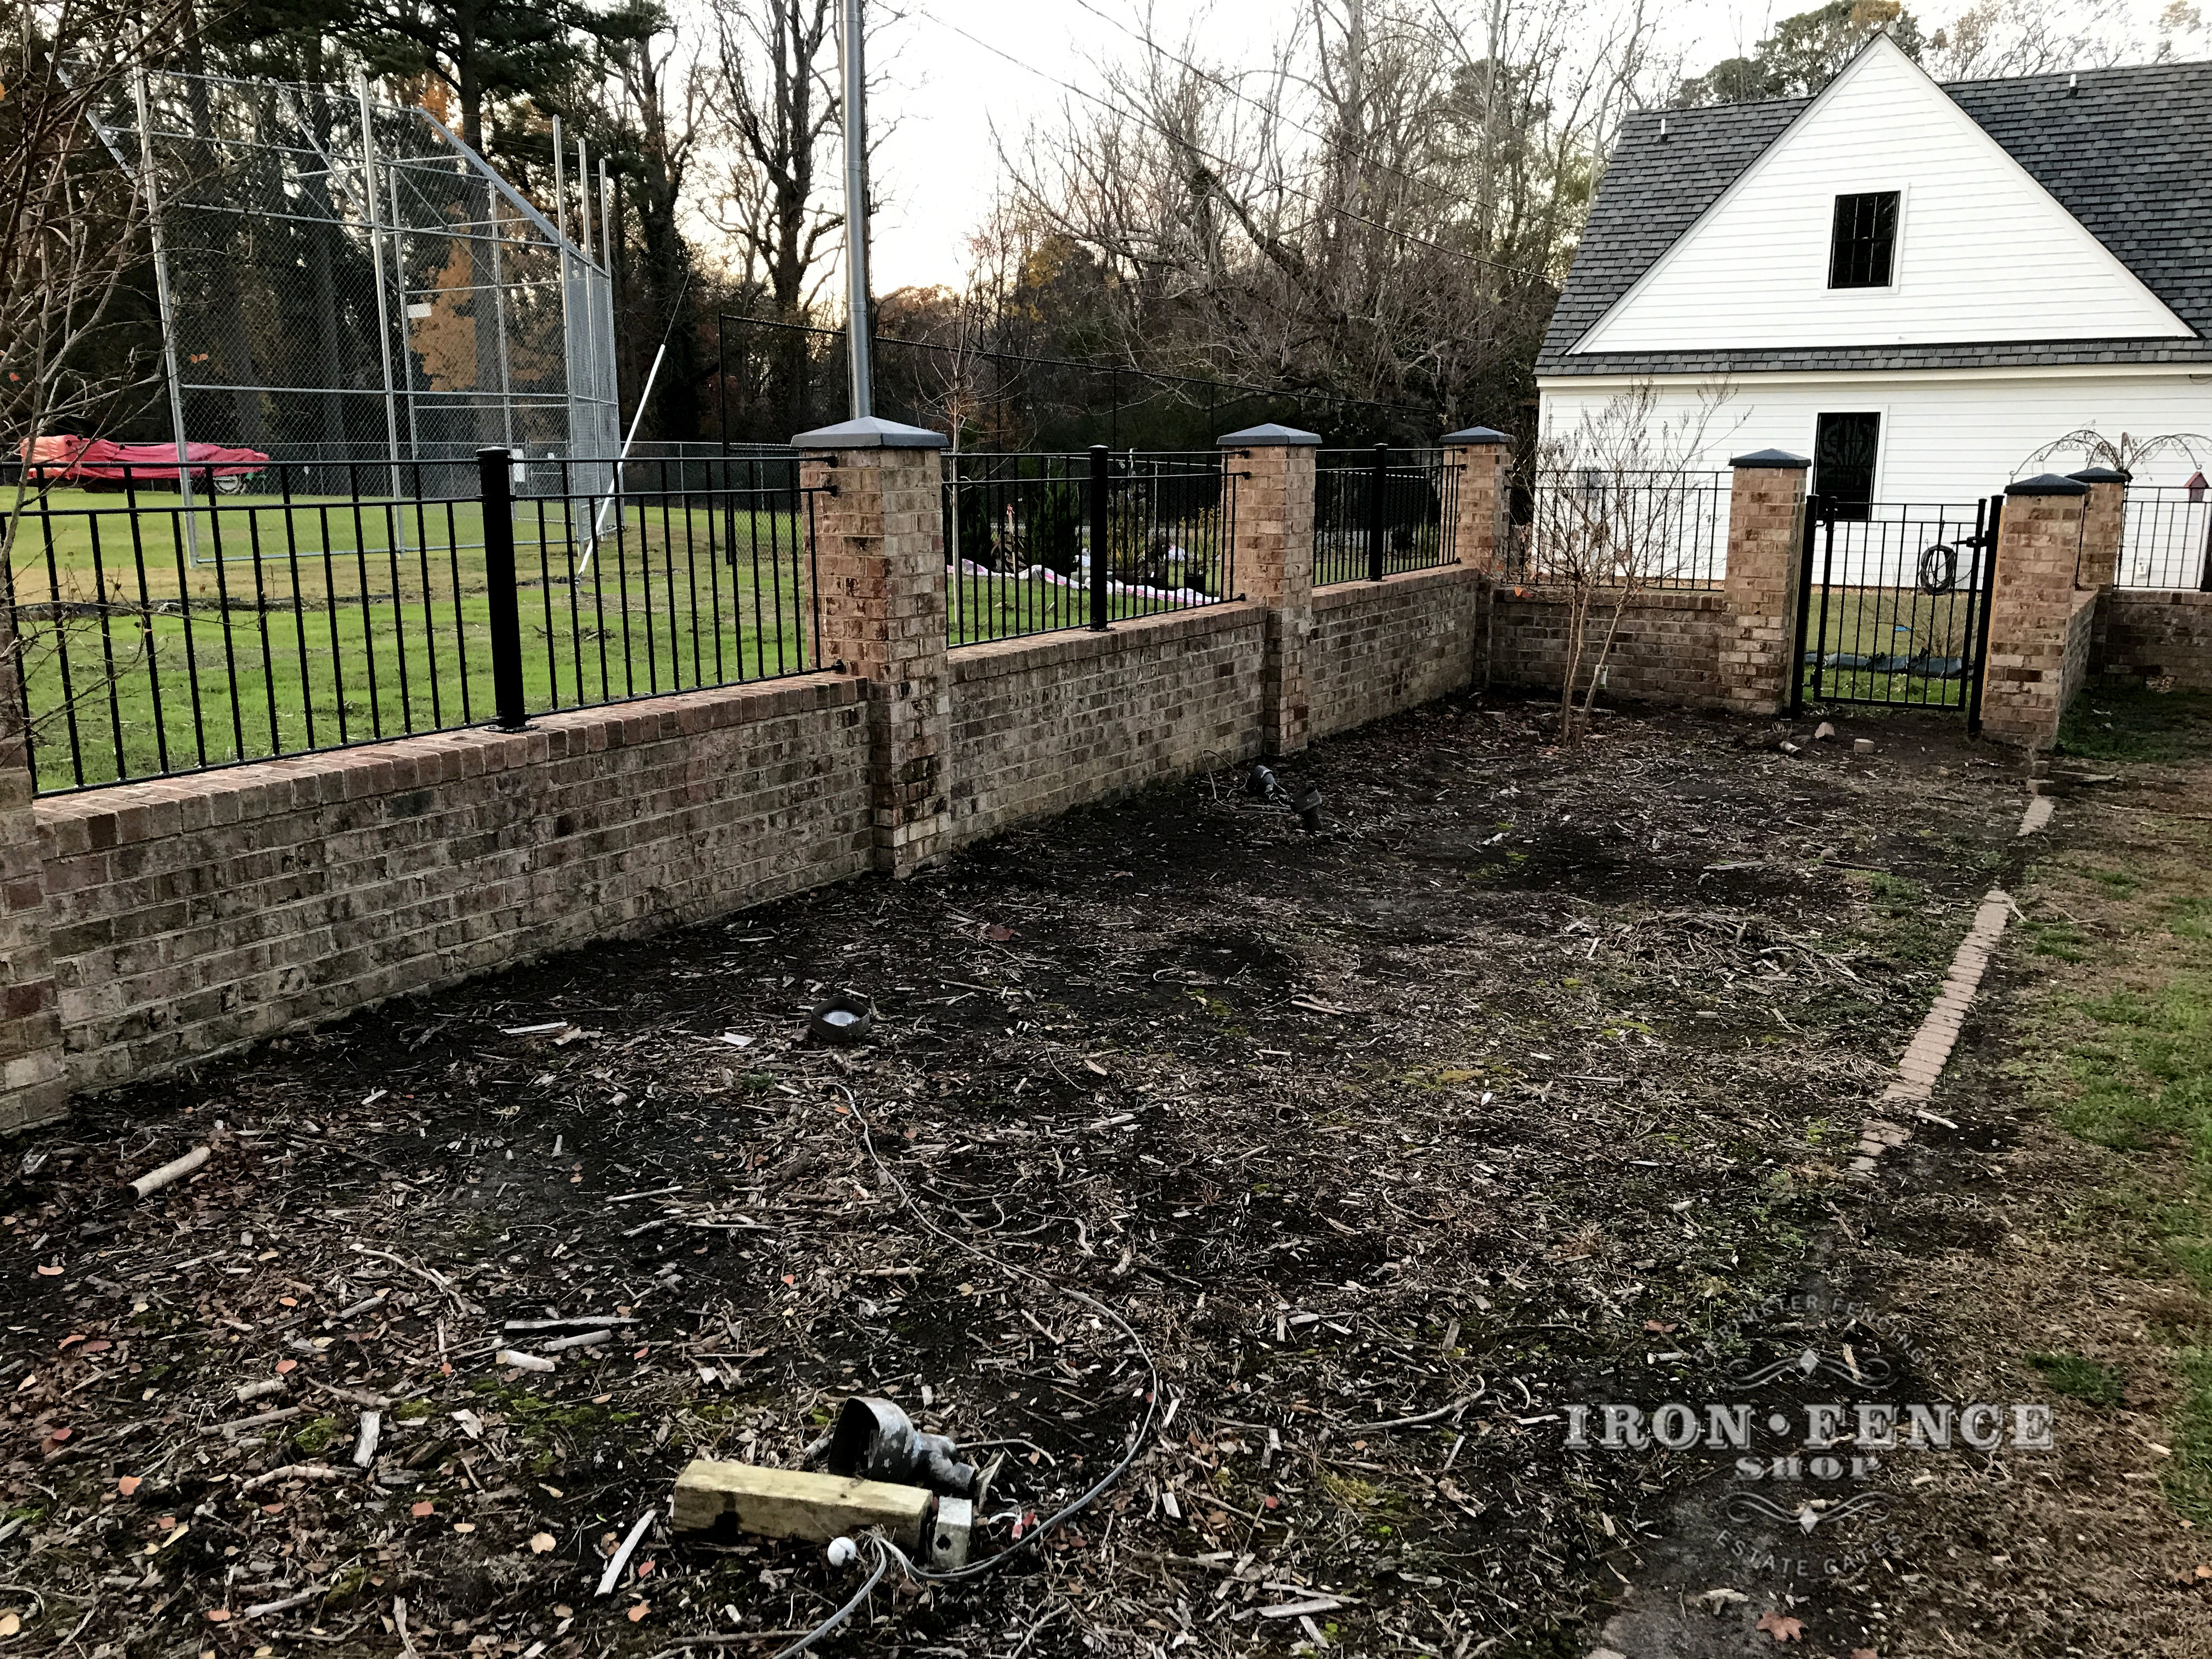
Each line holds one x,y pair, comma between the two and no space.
1944,438
1984,252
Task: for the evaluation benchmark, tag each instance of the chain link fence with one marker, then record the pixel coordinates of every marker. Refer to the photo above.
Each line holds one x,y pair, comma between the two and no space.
342,282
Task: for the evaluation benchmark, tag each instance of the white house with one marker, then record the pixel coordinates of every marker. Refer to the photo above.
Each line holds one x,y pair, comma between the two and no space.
1916,285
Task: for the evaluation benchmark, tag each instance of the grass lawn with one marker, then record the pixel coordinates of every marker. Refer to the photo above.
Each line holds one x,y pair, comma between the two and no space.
1861,630
244,630
2119,1050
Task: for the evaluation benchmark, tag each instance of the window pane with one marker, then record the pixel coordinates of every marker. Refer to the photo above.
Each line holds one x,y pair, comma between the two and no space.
1862,247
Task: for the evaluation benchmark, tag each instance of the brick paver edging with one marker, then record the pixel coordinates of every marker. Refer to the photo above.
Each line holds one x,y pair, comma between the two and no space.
1925,1056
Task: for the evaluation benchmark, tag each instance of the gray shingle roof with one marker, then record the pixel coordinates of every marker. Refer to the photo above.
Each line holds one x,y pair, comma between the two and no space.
2128,152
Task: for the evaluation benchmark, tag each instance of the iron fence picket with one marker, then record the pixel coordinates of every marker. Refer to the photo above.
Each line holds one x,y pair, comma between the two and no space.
2166,539
219,657
1380,512
1041,541
1671,526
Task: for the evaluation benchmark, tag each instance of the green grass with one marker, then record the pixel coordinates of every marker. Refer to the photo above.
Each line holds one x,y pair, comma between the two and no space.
997,607
1877,621
248,628
2084,1379
2136,723
323,624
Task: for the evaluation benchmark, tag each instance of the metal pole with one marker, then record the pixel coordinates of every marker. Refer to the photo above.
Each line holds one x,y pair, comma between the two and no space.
376,264
572,359
1378,475
1099,460
499,317
495,497
168,308
406,347
856,211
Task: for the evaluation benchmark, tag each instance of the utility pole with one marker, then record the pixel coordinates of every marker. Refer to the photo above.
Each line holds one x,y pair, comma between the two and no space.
856,208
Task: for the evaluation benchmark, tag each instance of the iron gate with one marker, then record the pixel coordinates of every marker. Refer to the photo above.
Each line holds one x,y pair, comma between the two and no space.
1892,604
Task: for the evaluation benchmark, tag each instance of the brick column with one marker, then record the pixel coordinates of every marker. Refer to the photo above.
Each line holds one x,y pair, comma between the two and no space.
879,555
33,1087
2103,520
1274,567
1766,556
2032,609
1481,456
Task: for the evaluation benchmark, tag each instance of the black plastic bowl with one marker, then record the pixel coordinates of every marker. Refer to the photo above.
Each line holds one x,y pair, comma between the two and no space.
843,1019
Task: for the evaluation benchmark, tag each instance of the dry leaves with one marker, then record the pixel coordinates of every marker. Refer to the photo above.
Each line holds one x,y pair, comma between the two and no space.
1782,1627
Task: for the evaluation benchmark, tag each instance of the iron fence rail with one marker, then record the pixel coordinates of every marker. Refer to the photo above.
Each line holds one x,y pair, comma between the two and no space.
1658,529
1381,511
1040,542
2166,539
160,633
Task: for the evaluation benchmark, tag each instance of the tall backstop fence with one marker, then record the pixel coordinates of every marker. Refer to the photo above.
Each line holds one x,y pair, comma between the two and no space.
342,280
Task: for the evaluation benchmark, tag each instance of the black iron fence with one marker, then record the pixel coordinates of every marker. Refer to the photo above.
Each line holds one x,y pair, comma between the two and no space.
287,617
1033,542
1381,511
1609,529
1893,603
2166,540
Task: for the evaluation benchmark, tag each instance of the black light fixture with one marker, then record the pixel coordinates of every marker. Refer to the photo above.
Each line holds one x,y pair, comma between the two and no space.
874,1440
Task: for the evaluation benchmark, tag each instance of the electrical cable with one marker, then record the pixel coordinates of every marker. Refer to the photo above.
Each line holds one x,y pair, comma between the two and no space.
1305,196
887,1552
1028,1539
842,1614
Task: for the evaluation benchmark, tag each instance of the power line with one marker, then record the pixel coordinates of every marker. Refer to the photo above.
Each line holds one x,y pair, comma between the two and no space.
1291,189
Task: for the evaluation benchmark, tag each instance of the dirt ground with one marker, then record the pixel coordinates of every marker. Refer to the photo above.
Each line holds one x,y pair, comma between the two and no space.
1527,1087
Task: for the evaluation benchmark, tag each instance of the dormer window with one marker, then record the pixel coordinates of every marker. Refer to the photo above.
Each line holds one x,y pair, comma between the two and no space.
1864,250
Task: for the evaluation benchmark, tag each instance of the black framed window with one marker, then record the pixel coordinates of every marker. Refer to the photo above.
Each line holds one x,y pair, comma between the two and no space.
1863,251
1843,450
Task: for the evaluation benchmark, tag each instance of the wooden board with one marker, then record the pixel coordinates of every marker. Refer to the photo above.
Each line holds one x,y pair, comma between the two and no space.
793,1504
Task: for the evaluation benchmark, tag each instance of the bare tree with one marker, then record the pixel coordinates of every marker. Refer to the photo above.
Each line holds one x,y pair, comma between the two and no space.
1383,212
1613,505
73,220
772,84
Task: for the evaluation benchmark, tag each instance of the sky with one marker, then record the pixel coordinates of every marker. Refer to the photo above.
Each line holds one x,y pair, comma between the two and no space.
938,172
961,71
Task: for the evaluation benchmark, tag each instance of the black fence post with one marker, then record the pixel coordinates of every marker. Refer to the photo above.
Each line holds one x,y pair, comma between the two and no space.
496,499
1099,460
1377,476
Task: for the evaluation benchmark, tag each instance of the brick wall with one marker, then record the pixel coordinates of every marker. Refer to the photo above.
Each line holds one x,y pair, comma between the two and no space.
32,1085
2080,631
1042,724
1668,649
1377,649
2148,633
195,915
2034,606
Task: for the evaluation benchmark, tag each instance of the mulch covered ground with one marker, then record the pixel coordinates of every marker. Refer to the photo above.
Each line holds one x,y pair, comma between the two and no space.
1521,1086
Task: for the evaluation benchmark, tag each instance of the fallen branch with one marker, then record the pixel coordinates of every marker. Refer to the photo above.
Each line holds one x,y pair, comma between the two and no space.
1457,1405
292,1471
175,1170
621,1559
